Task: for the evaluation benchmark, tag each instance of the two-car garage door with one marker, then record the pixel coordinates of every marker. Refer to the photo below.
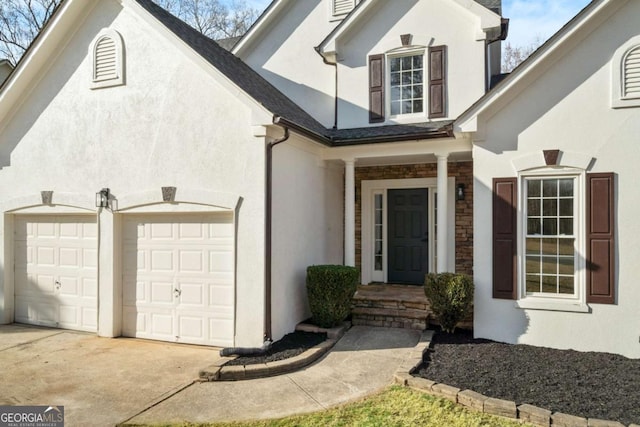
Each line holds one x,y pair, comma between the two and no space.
177,281
178,278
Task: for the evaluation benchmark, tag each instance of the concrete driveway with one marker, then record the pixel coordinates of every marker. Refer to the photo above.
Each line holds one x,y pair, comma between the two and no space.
99,381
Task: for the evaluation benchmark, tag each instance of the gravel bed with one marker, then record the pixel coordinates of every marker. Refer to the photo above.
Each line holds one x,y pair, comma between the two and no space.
289,346
590,385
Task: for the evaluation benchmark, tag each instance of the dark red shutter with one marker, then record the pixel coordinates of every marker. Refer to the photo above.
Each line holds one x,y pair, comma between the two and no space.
437,82
600,238
376,88
505,202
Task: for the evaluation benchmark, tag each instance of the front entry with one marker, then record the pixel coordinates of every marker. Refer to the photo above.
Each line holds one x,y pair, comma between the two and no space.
408,245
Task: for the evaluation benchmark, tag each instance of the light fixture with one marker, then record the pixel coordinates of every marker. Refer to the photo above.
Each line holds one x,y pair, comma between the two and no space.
460,192
102,198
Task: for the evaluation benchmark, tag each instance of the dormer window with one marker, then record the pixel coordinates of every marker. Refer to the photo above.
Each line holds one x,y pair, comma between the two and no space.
342,7
107,60
626,75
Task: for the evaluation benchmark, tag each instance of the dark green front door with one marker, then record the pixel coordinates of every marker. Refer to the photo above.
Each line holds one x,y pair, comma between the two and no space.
408,235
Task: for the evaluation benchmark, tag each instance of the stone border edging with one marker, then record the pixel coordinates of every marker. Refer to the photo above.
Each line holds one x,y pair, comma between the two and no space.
219,372
480,403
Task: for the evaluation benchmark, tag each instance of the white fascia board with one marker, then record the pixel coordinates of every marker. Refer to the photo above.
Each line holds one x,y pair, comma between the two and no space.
260,114
407,148
328,48
263,22
537,63
41,54
488,18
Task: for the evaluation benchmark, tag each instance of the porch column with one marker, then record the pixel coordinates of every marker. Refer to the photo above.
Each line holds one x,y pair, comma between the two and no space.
443,203
349,213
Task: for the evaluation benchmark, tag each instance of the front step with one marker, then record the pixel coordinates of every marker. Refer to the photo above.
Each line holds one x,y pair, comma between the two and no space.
391,306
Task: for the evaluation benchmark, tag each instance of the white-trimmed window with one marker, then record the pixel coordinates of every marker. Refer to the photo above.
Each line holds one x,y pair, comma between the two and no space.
550,237
107,55
626,75
406,84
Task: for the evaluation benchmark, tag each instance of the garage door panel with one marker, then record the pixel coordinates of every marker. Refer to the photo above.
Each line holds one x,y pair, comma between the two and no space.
181,259
55,271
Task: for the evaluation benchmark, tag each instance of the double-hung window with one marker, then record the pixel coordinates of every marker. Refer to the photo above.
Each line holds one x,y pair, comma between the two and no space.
406,83
550,237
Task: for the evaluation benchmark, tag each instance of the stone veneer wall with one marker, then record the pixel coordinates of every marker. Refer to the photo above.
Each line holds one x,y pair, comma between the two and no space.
462,171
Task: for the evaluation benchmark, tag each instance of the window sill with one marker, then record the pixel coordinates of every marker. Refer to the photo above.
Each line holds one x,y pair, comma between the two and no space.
570,306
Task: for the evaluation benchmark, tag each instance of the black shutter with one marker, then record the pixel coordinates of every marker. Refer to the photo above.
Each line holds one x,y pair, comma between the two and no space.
376,88
505,210
437,82
600,238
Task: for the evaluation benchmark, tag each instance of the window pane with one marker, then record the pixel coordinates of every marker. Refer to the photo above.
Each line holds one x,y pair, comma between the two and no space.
406,107
566,266
378,232
417,106
395,79
394,64
406,62
534,226
395,93
378,263
533,283
417,61
550,227
549,265
533,188
378,216
566,187
550,207
550,246
378,248
533,207
395,108
406,92
550,188
533,265
550,284
417,77
566,226
566,285
406,78
566,207
417,91
566,247
533,246
378,201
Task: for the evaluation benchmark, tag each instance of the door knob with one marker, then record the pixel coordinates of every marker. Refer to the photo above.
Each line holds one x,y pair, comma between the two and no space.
58,284
177,293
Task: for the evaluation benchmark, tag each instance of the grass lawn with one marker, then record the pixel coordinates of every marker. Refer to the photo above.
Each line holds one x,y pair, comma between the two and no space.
396,406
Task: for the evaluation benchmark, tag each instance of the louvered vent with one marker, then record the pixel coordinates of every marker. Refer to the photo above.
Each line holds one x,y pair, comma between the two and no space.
105,61
342,7
632,74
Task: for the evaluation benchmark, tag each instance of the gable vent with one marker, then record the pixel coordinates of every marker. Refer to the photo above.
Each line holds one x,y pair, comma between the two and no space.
105,67
342,7
632,74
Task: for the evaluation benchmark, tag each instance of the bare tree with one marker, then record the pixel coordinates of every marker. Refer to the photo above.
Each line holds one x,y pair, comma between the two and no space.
20,23
512,56
213,18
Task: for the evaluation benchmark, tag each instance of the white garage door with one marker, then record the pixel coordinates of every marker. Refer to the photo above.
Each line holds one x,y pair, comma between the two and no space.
56,271
178,278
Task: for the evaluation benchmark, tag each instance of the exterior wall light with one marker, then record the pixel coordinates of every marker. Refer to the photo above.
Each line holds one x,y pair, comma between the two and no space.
102,198
460,192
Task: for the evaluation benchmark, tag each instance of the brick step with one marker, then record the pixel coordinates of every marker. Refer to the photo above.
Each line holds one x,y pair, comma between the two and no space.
390,322
399,305
389,312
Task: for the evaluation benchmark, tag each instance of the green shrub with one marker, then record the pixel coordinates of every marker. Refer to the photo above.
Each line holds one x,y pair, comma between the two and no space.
451,298
330,289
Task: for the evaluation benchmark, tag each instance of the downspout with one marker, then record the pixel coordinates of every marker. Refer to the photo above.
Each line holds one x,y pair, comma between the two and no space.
335,95
504,32
268,256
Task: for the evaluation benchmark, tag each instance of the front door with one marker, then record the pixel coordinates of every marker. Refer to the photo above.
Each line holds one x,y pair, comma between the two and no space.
408,235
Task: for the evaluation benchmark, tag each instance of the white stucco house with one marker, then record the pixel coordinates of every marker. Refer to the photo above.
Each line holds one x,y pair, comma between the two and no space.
157,185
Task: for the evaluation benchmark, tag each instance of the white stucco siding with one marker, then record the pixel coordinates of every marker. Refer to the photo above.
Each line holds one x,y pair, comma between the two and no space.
431,23
172,124
285,56
567,108
307,226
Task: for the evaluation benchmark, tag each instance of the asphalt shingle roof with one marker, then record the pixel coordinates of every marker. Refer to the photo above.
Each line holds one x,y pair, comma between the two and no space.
493,5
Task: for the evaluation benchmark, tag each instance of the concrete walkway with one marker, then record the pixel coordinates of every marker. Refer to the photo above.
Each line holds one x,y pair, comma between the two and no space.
361,363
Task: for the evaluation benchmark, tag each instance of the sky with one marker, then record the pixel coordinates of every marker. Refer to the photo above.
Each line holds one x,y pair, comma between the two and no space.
531,20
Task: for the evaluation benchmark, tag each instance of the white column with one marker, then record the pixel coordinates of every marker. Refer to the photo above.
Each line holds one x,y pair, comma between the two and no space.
349,213
443,203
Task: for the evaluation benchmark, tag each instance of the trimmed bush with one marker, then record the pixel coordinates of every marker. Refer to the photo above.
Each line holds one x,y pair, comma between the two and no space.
451,298
330,289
